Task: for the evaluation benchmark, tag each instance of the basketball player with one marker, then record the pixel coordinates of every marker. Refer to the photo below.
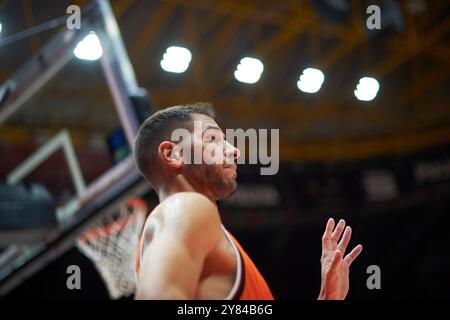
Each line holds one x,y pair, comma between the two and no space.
185,252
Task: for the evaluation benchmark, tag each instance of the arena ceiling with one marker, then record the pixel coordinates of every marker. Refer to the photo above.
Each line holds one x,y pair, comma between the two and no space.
410,57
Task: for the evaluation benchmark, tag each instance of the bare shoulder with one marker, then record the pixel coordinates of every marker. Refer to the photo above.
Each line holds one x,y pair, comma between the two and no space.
187,212
190,208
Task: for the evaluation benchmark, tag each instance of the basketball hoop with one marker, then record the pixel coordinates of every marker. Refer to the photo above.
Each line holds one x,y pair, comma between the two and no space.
112,246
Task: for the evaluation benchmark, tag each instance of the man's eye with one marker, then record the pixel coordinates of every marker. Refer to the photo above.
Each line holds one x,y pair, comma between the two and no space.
213,138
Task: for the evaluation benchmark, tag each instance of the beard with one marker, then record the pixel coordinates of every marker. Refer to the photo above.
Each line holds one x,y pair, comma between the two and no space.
210,179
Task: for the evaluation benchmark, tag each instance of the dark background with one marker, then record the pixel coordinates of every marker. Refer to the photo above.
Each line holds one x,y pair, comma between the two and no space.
405,236
329,141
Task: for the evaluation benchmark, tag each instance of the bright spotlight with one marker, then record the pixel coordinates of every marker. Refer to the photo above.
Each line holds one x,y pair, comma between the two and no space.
249,70
1,26
311,80
367,89
89,48
176,59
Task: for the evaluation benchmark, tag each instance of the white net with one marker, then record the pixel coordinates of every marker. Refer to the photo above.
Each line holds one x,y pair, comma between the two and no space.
112,246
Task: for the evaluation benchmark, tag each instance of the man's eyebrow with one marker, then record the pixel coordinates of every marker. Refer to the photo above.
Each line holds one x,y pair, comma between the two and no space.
213,127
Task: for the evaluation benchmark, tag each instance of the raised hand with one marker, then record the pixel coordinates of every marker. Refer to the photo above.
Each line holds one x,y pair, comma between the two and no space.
335,268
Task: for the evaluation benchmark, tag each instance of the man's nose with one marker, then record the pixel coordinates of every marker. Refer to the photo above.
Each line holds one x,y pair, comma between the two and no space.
231,152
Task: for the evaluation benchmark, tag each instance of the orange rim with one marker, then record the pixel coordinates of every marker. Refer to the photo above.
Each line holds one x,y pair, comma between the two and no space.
115,226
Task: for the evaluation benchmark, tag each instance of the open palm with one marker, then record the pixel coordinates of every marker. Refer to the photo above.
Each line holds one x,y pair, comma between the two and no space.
335,268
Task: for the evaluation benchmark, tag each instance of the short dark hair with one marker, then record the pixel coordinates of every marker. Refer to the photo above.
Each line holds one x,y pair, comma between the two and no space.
158,127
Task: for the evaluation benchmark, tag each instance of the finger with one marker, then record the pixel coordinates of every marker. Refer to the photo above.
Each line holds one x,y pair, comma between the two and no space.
338,231
342,246
328,230
354,254
337,259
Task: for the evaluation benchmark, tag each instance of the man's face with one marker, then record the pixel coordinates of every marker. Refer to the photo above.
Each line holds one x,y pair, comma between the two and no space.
217,173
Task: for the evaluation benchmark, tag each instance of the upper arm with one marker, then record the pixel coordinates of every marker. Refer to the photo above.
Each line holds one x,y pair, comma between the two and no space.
173,261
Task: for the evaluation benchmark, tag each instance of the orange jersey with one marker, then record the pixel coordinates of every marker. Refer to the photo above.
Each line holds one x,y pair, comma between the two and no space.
254,285
249,283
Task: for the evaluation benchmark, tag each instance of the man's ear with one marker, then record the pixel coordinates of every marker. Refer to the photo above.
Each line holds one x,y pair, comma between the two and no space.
171,154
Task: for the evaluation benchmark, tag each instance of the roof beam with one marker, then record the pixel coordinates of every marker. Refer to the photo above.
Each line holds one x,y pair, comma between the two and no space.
218,45
296,25
148,34
120,7
27,9
235,10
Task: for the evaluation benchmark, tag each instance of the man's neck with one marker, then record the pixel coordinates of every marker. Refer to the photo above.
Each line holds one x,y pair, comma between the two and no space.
180,185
